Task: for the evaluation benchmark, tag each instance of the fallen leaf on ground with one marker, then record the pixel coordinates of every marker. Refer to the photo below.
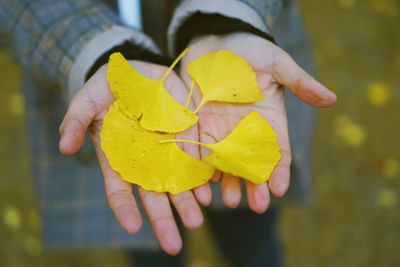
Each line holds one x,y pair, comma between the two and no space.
12,217
391,168
387,198
349,4
378,94
351,133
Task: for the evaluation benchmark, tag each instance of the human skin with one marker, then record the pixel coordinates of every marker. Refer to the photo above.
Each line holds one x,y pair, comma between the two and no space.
86,112
273,67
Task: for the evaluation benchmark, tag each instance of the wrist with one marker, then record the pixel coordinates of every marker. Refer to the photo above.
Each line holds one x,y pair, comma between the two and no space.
211,43
201,25
130,51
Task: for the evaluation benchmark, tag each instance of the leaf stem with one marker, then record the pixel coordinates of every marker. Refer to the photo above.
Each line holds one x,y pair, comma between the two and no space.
182,141
199,107
190,94
174,64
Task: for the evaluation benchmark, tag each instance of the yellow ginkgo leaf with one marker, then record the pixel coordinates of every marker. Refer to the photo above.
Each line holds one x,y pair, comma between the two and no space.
250,151
140,158
147,100
12,217
226,77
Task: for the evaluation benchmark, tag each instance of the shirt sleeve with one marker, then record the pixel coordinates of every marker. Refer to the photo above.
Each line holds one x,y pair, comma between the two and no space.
59,40
258,14
268,10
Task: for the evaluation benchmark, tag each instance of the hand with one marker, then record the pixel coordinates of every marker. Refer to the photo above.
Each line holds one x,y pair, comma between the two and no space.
274,69
87,110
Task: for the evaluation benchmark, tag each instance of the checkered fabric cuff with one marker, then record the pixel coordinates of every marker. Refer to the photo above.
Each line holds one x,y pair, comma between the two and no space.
228,8
99,45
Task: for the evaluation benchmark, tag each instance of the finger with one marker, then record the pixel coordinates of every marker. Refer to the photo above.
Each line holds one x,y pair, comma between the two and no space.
203,194
189,148
257,196
123,204
207,139
231,190
78,117
160,215
279,180
280,177
216,176
120,197
188,209
303,85
177,88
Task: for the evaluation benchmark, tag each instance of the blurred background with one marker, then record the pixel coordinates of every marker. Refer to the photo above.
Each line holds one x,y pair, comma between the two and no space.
355,216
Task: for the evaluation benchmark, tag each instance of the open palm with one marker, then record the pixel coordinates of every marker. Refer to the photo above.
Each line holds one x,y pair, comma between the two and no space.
86,111
274,68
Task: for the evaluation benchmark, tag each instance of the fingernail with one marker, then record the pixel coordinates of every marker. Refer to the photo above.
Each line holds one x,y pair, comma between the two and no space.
232,198
324,94
260,198
332,95
203,195
320,97
282,190
173,244
195,220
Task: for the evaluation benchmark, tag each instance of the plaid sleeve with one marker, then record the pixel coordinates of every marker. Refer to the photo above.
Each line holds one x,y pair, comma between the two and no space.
269,10
58,40
258,13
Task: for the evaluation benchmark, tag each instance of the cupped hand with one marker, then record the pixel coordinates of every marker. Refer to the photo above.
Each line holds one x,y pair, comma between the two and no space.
86,111
274,69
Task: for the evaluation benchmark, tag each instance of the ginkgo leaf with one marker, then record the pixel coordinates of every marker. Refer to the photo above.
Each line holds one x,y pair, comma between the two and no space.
226,77
147,100
140,158
250,151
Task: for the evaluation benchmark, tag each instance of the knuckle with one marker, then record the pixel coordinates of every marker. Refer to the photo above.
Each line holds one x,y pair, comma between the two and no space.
180,201
117,194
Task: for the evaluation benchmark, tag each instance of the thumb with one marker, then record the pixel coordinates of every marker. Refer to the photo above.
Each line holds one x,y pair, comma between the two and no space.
303,85
80,114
